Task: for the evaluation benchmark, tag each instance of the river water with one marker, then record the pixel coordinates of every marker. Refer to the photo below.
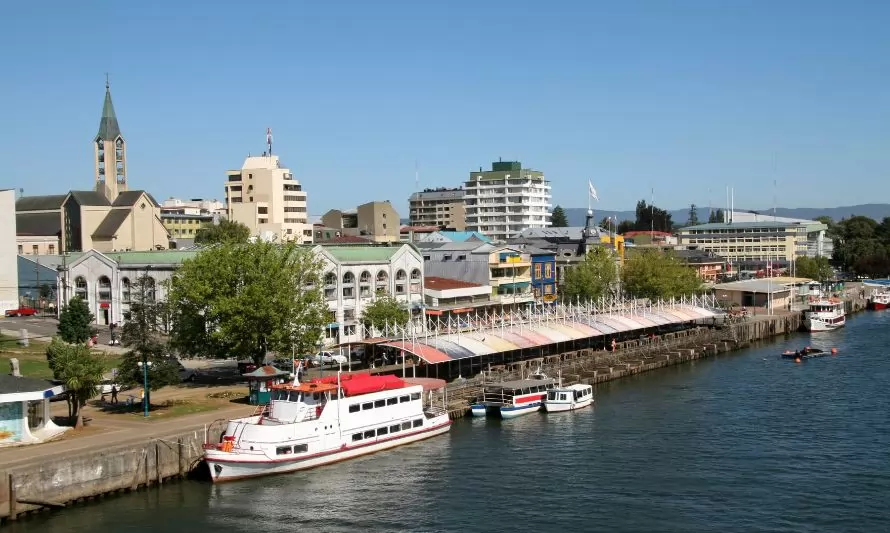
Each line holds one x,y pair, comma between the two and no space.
745,442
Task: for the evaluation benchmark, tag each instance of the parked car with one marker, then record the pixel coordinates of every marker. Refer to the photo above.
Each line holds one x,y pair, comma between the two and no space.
21,311
107,384
328,358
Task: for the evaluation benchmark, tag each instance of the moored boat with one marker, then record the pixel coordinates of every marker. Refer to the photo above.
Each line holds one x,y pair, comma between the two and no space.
510,399
568,398
879,300
825,315
328,420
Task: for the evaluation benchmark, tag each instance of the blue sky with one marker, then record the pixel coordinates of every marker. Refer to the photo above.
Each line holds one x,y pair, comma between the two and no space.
681,96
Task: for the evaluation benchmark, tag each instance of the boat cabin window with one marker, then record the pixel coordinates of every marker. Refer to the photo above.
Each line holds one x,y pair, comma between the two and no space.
366,406
563,397
392,401
403,399
415,395
301,448
369,434
551,395
283,450
380,403
354,408
395,428
334,395
418,423
356,437
382,431
406,426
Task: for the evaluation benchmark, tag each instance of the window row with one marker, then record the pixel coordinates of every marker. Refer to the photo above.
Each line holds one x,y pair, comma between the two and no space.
288,450
365,277
356,407
387,430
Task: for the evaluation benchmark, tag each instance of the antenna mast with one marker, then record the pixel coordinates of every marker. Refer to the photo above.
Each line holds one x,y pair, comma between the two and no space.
269,139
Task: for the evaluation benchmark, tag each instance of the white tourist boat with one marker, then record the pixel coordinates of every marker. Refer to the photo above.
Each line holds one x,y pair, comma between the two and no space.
825,314
879,299
510,399
568,398
328,420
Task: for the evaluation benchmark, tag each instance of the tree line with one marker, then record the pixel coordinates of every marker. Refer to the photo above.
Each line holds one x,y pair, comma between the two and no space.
861,245
649,273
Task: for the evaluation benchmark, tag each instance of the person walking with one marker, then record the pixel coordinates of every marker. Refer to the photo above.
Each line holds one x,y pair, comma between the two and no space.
114,394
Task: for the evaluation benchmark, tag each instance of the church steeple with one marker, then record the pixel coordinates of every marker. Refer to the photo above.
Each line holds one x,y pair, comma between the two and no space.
111,152
108,127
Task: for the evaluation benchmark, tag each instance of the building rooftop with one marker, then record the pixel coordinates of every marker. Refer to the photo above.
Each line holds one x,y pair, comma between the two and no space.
362,254
753,285
740,225
110,224
470,246
129,198
90,198
40,203
109,129
38,224
571,233
344,239
13,384
444,284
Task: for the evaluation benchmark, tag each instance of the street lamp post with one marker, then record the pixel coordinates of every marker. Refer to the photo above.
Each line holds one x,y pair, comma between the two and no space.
145,365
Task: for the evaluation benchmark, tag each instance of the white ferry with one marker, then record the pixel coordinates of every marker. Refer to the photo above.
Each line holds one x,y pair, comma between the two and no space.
568,398
328,420
510,399
825,315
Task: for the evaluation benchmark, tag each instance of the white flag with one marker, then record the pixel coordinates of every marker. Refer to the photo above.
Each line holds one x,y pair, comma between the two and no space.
592,191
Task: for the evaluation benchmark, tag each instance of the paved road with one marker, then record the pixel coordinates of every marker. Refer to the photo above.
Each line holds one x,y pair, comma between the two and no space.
43,329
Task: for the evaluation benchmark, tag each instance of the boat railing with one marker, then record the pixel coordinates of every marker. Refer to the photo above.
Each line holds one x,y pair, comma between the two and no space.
434,411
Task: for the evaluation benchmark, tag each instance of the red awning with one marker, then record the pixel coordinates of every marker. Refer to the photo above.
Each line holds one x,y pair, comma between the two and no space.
425,352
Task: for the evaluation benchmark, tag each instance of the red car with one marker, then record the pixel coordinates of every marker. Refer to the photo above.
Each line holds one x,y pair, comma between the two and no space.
22,311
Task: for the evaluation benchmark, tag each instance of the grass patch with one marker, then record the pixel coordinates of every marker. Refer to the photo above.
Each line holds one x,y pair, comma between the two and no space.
163,410
32,358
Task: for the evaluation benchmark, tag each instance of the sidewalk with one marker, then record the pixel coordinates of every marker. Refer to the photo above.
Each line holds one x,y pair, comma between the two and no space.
109,432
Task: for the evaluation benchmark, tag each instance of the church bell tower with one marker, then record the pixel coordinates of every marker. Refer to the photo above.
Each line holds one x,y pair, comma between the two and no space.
111,153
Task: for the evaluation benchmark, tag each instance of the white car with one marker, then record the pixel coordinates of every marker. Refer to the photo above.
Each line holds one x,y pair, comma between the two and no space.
328,358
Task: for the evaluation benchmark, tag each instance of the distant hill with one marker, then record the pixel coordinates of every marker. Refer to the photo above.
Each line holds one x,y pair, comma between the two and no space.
576,215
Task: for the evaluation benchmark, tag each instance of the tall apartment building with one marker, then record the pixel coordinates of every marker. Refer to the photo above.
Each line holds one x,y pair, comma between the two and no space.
442,207
506,200
265,197
375,221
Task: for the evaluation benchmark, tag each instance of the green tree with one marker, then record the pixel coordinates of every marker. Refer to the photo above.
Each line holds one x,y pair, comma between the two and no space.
716,216
650,217
244,300
75,322
558,218
658,275
225,231
596,276
384,310
815,268
78,370
143,334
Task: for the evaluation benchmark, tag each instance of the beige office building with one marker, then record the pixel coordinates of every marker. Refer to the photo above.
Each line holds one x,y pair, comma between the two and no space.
506,200
265,197
442,207
375,221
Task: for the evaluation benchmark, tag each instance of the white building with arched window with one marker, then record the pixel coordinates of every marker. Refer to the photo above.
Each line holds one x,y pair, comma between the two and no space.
353,276
104,280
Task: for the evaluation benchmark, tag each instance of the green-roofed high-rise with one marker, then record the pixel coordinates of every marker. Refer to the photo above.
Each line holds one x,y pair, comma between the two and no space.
111,153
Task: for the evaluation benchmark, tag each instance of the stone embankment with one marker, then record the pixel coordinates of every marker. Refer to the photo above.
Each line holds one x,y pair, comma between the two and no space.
84,476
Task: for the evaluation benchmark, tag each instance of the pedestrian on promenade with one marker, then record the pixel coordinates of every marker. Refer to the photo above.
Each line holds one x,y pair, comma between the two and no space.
114,394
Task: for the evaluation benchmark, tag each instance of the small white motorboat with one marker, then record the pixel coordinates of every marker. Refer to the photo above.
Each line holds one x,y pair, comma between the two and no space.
568,398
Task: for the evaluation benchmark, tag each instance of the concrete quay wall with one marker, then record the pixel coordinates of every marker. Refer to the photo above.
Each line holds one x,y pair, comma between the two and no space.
85,476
